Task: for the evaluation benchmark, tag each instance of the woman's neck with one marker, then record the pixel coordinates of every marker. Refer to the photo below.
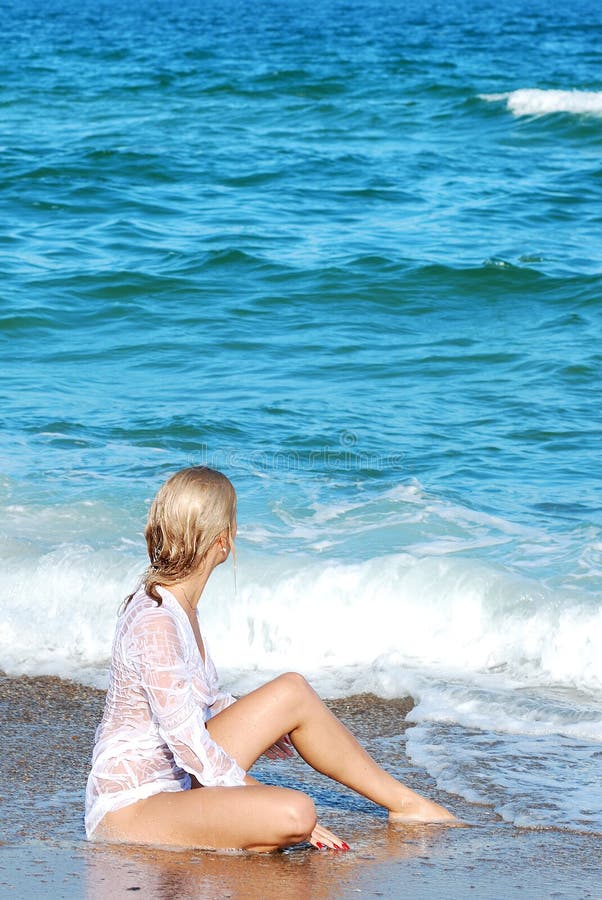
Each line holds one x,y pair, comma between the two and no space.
189,590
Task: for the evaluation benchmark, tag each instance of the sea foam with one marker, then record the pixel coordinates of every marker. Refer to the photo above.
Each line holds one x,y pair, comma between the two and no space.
538,102
376,618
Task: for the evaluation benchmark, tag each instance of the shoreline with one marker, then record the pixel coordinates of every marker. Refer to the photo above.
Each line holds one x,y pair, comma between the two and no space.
47,733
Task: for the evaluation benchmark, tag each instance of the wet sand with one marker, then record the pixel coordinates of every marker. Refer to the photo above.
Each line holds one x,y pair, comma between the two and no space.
46,732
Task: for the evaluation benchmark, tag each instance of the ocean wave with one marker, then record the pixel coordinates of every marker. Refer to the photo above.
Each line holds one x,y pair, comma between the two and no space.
376,619
539,102
484,703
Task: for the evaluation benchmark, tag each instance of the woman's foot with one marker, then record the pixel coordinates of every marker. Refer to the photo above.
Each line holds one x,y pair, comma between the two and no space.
419,811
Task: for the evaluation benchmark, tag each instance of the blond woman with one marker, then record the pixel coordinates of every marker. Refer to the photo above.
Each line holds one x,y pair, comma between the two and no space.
172,751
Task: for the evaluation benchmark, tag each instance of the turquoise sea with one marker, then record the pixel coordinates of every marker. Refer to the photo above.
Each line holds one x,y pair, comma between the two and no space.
350,253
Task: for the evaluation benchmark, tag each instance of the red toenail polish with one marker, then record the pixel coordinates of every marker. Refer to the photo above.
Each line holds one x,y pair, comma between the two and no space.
346,846
319,846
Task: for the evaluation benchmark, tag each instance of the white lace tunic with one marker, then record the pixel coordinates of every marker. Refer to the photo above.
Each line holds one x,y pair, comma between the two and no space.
160,696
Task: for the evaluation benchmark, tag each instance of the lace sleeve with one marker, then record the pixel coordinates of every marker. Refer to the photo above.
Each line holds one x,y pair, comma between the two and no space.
221,702
158,656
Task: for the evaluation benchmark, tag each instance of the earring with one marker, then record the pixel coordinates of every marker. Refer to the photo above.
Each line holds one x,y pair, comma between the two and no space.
224,551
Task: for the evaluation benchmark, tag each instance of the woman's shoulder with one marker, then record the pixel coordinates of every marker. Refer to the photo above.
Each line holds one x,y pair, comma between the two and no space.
146,625
143,609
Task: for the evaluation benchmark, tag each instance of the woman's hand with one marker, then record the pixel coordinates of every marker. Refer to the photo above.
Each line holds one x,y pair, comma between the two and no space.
282,749
321,837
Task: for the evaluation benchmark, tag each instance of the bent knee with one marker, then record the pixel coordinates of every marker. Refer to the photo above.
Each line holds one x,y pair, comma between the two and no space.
295,684
299,817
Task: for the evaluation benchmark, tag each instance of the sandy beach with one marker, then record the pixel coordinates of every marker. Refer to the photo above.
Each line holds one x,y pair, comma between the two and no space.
47,729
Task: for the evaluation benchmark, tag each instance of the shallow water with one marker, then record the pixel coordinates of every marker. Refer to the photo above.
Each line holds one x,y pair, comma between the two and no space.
351,255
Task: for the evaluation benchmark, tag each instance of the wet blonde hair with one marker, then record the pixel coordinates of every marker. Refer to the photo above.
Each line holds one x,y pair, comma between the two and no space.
189,513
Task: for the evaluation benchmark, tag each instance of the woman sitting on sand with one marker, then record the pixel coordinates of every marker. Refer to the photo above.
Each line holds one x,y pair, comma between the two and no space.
167,727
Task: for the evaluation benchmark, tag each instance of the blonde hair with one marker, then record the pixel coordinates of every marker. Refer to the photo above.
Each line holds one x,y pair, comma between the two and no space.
189,513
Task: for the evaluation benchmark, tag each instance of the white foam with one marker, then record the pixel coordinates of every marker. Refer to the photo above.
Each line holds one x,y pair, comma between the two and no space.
59,611
490,702
381,617
539,102
390,614
532,781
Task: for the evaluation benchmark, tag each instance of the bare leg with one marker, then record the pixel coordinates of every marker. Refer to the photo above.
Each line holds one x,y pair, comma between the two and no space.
260,817
288,705
254,817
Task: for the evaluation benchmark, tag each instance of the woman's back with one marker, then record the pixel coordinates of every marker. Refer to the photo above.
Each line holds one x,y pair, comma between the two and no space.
159,698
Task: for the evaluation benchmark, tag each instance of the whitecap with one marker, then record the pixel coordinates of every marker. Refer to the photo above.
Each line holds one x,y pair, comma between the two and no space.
539,102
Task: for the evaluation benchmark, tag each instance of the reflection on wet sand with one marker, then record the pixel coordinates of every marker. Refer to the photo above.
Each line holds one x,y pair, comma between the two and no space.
299,874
